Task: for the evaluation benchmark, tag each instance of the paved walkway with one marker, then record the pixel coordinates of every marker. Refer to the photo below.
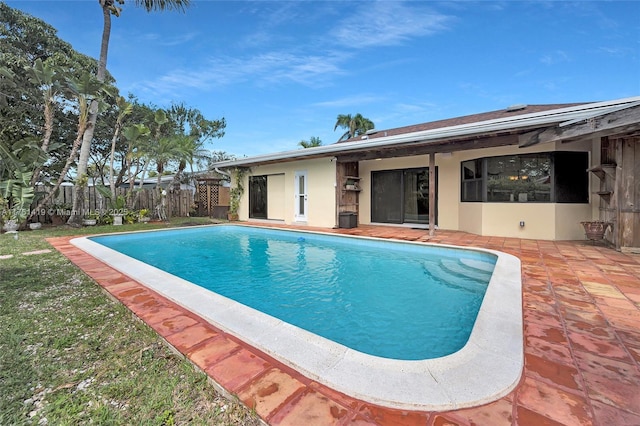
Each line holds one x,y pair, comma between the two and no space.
581,327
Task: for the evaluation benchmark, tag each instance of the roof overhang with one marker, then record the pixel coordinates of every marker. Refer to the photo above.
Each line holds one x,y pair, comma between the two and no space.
522,130
623,119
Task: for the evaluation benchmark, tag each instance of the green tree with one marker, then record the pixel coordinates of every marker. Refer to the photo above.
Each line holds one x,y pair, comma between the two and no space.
356,125
30,51
133,160
312,142
84,90
125,108
111,7
50,79
192,131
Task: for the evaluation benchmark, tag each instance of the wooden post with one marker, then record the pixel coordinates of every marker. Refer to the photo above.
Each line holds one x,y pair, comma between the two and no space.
432,194
339,174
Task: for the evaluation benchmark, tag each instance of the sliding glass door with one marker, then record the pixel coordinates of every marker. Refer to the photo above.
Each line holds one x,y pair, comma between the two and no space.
258,197
416,196
386,196
400,196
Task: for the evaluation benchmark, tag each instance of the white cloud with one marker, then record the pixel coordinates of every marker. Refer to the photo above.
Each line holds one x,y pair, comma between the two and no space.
404,114
351,101
161,40
615,51
379,23
387,23
267,68
555,57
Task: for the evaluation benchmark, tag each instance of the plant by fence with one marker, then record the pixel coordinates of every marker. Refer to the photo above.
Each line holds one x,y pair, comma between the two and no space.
179,202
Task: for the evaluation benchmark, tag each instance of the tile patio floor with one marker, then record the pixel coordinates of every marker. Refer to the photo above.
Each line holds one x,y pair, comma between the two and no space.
581,329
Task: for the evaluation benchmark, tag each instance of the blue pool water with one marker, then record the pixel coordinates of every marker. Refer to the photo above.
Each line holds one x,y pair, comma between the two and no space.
393,300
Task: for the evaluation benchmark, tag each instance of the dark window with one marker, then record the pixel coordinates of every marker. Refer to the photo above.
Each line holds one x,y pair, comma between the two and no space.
529,178
572,180
258,197
400,196
472,180
521,178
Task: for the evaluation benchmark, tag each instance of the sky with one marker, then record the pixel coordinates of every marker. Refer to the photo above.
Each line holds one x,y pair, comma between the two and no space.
282,71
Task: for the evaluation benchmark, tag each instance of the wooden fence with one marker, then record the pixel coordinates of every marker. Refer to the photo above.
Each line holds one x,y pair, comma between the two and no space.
179,202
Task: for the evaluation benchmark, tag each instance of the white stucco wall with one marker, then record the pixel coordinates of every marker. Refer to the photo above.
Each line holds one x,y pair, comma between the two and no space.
549,221
276,205
321,200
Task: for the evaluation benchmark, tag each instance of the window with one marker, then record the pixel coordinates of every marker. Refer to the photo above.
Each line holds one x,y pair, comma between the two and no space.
472,180
521,178
572,180
558,177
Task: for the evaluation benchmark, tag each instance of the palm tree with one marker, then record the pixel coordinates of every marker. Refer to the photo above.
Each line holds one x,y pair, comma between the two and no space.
48,77
124,109
85,90
356,125
109,8
164,151
312,142
136,136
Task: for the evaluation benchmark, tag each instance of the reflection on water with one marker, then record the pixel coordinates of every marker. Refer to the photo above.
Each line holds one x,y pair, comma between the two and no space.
387,299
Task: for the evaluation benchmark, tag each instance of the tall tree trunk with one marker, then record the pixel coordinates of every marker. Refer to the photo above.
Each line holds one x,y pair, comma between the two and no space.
70,160
78,201
112,183
48,130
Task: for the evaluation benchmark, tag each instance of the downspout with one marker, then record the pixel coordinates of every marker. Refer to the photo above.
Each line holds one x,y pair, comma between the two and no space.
217,170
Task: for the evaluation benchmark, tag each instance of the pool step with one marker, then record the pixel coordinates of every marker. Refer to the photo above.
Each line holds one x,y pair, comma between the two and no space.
478,264
438,272
458,268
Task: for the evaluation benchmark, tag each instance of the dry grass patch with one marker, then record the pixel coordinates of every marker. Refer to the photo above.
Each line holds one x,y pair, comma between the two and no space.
69,355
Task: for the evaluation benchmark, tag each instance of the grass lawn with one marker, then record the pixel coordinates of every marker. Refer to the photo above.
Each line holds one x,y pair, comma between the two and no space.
70,355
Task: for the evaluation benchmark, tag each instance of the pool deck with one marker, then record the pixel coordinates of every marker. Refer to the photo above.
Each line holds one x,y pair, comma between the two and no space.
581,329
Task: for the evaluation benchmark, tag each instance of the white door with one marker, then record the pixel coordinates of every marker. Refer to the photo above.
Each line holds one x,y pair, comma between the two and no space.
301,196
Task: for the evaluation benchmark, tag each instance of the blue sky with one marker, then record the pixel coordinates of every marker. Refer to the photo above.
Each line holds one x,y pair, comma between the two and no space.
282,71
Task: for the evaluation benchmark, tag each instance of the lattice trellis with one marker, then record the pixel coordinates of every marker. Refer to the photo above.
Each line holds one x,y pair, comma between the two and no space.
208,195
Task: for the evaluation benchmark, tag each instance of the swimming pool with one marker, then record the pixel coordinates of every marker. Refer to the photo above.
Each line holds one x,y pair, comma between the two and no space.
339,288
486,367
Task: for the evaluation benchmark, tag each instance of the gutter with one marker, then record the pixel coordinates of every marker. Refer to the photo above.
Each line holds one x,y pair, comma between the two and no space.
520,122
217,170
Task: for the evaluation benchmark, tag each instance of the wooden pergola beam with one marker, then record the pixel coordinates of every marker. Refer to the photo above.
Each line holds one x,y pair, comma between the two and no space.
616,122
427,148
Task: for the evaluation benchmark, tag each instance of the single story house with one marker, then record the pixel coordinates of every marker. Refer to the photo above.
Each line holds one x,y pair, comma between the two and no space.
528,171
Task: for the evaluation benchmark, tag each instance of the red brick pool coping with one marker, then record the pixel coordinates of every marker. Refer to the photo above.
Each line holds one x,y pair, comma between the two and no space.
581,327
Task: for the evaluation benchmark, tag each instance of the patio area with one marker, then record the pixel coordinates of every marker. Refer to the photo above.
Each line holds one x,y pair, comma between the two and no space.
581,327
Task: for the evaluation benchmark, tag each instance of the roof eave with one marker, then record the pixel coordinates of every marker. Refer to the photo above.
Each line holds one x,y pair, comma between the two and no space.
514,124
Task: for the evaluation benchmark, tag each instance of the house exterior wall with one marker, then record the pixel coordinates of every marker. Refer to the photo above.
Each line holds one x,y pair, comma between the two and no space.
551,221
276,205
321,200
471,215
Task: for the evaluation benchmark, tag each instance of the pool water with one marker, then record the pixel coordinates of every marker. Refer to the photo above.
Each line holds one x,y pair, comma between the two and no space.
392,300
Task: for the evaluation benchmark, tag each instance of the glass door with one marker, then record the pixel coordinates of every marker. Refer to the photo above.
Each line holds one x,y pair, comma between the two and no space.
401,196
416,196
386,196
258,197
300,214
